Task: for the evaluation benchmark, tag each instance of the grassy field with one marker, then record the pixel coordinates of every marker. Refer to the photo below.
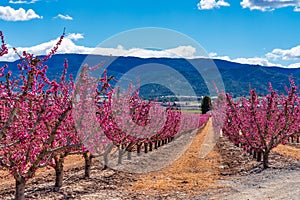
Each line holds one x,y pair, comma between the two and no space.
192,111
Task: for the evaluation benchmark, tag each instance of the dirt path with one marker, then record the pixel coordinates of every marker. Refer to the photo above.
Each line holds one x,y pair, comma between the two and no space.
269,184
280,181
192,172
153,160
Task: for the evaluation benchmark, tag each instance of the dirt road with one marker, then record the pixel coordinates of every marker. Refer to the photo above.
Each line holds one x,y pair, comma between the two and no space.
269,184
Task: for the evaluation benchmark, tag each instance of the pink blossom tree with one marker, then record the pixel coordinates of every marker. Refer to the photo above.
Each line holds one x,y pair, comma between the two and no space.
260,124
128,120
33,112
89,92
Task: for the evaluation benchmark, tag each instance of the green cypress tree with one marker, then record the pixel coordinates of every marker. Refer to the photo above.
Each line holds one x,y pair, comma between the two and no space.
205,104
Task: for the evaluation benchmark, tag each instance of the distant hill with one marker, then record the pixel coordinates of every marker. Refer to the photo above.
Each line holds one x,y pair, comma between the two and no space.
238,78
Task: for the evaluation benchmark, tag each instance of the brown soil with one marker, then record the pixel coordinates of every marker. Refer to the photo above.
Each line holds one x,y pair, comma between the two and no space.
189,173
288,151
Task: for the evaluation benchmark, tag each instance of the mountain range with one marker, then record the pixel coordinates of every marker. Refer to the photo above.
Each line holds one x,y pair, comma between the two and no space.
237,78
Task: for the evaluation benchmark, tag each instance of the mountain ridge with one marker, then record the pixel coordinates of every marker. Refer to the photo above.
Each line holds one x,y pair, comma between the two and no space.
237,77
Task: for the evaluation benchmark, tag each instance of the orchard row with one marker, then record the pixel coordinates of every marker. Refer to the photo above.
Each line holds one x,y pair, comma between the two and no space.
42,121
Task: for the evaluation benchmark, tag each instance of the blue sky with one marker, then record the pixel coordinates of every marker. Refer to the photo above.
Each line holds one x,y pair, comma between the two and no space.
265,32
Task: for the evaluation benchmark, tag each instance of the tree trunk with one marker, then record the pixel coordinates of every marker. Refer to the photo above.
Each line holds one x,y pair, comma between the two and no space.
146,147
150,146
254,154
266,159
120,154
129,155
20,188
88,164
59,172
105,157
139,149
250,151
258,156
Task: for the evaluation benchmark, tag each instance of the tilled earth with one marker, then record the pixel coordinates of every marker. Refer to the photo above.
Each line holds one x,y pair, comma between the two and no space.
225,173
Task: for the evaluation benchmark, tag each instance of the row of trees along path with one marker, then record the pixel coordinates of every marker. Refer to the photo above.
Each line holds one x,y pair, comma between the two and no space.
39,125
259,124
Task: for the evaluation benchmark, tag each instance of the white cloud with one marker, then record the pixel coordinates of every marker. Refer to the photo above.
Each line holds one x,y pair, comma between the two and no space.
262,61
270,5
285,54
7,13
182,51
68,46
211,4
294,65
22,2
64,17
75,36
177,52
297,9
255,61
212,54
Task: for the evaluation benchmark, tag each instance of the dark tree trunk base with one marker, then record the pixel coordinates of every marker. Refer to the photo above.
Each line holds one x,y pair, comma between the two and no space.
266,160
129,155
105,162
20,188
88,164
259,154
146,147
150,146
59,172
139,149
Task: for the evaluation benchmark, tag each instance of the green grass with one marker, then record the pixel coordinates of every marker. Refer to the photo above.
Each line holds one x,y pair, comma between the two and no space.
192,111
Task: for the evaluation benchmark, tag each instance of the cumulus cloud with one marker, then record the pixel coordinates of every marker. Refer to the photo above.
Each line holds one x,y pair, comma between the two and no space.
255,61
294,65
64,17
68,46
182,51
212,54
297,9
285,54
177,52
22,2
211,4
270,5
262,61
7,13
75,36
